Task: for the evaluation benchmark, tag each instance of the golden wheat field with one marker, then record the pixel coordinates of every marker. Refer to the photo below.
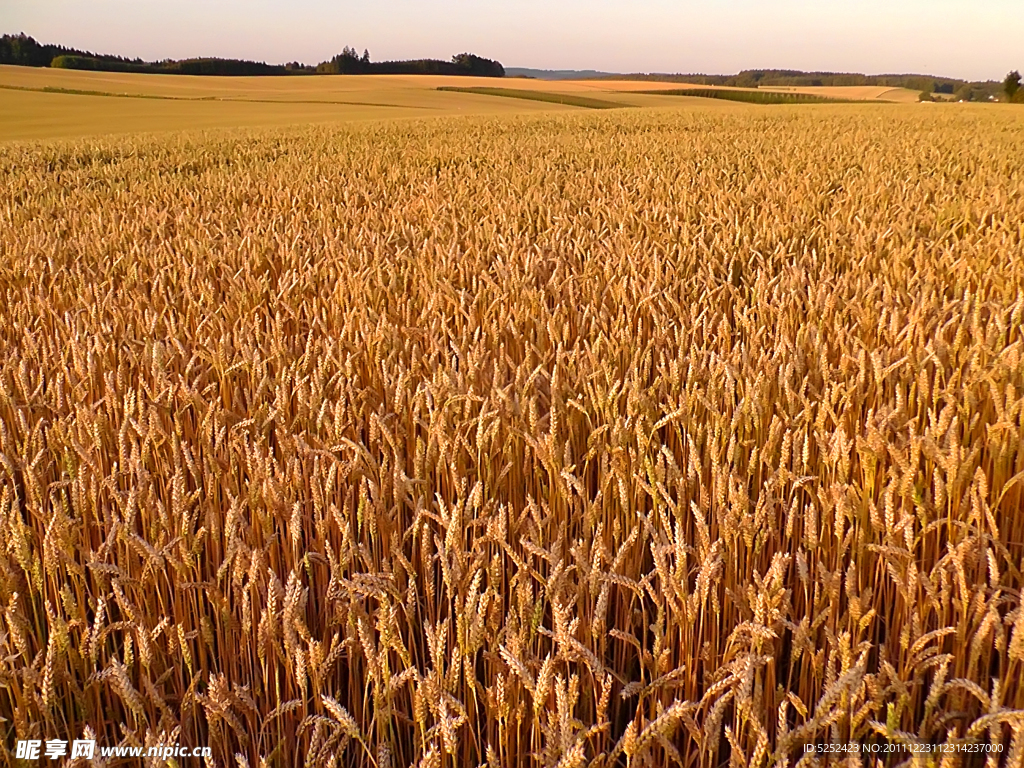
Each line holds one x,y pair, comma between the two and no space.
630,438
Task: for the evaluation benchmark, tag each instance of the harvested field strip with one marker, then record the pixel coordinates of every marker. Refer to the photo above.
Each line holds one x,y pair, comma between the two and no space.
84,92
747,97
551,98
159,97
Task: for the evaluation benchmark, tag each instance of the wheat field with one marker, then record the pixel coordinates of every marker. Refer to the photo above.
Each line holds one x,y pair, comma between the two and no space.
645,437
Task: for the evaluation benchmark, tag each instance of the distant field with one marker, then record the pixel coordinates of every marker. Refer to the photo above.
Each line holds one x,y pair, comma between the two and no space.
569,99
28,115
747,96
54,103
843,93
48,104
854,93
408,87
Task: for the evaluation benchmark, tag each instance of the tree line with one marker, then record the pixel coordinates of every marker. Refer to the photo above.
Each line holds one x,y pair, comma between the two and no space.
23,50
349,62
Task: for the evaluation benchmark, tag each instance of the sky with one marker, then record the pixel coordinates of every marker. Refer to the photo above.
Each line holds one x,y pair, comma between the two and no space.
973,39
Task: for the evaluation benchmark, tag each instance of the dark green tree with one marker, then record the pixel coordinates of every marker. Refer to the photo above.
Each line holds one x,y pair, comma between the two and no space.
346,63
1011,85
470,64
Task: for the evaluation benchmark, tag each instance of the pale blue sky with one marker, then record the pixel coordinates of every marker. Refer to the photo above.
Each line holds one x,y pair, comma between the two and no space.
981,39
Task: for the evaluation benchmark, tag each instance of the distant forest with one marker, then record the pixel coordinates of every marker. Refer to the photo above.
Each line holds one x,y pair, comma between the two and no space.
769,78
24,51
348,62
